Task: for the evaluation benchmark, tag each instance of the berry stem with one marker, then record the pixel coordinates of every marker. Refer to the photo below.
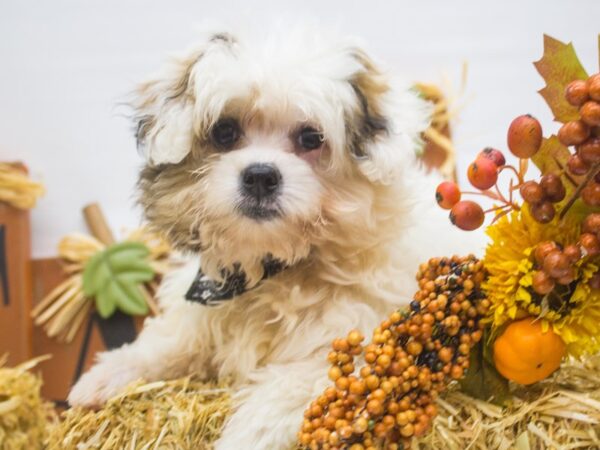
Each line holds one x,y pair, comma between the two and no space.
506,202
497,208
523,166
590,175
488,194
517,173
565,172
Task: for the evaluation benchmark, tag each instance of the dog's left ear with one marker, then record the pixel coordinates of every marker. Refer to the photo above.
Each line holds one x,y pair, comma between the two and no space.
384,129
164,106
163,113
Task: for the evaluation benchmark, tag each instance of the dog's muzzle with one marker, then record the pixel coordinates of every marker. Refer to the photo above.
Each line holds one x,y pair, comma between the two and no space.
260,185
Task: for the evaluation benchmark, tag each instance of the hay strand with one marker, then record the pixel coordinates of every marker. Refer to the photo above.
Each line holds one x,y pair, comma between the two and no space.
181,414
562,412
24,416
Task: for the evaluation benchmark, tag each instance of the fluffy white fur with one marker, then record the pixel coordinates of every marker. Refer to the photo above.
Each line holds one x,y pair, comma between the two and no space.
353,229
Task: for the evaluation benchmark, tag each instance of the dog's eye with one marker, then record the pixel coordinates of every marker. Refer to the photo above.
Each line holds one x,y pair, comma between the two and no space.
310,139
225,133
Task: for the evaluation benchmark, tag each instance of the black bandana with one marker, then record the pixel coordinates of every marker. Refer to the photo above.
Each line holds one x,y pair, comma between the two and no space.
209,292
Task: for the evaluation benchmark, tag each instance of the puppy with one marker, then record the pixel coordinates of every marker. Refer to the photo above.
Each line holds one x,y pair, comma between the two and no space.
283,167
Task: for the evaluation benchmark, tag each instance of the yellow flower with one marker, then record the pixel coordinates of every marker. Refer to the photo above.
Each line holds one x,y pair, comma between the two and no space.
575,315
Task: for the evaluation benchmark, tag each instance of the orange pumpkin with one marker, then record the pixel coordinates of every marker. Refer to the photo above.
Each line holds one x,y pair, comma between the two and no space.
525,354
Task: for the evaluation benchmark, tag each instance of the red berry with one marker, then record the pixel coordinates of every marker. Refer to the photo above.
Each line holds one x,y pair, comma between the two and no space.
553,187
467,215
593,86
542,212
590,113
483,173
573,133
576,92
494,155
531,192
542,282
524,136
447,194
577,166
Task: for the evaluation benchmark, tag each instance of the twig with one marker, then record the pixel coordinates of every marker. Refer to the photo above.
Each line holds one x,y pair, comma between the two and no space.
591,174
565,172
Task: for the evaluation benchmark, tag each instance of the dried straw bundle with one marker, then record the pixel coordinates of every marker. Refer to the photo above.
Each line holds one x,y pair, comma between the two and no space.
562,412
23,415
179,415
16,188
66,307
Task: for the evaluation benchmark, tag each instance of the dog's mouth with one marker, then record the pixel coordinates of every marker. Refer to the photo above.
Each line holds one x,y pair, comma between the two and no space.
260,211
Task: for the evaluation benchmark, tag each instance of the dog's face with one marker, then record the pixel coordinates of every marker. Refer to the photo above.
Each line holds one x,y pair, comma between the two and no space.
258,149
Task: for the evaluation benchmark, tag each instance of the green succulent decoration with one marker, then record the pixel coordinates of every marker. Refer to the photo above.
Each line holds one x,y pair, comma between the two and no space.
113,278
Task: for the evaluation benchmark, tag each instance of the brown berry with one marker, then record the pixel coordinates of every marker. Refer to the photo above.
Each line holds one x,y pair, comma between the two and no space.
593,86
467,215
589,151
576,92
531,192
572,252
567,278
590,113
542,282
557,264
595,281
543,212
590,244
591,224
524,136
591,194
553,187
543,249
573,133
576,165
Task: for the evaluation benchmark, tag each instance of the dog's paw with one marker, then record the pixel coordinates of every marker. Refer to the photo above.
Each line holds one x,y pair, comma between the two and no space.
98,385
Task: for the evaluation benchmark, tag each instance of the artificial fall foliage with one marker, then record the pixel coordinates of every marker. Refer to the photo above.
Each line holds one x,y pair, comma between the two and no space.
544,294
113,277
558,67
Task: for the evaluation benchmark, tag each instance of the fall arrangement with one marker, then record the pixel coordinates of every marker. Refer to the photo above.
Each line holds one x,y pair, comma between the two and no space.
532,302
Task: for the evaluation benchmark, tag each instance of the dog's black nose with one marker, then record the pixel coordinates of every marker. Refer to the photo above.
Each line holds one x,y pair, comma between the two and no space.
261,180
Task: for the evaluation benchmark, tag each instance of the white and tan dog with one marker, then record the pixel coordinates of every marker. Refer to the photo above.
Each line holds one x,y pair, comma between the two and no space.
292,149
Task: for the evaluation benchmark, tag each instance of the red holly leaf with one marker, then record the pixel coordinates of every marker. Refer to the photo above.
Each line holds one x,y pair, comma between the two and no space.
558,67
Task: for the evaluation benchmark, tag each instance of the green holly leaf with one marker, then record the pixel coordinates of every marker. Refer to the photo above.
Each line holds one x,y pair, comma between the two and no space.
558,67
482,380
113,277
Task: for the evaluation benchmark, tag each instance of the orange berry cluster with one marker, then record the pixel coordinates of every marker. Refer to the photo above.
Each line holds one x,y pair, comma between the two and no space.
584,134
556,264
413,356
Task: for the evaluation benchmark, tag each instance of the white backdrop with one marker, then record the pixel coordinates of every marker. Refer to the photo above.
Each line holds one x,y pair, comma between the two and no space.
65,65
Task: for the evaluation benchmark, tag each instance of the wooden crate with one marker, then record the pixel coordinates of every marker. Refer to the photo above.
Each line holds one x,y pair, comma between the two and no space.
15,284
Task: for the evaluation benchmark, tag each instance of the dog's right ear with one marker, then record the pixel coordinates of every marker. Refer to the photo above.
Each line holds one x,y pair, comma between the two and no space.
164,107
